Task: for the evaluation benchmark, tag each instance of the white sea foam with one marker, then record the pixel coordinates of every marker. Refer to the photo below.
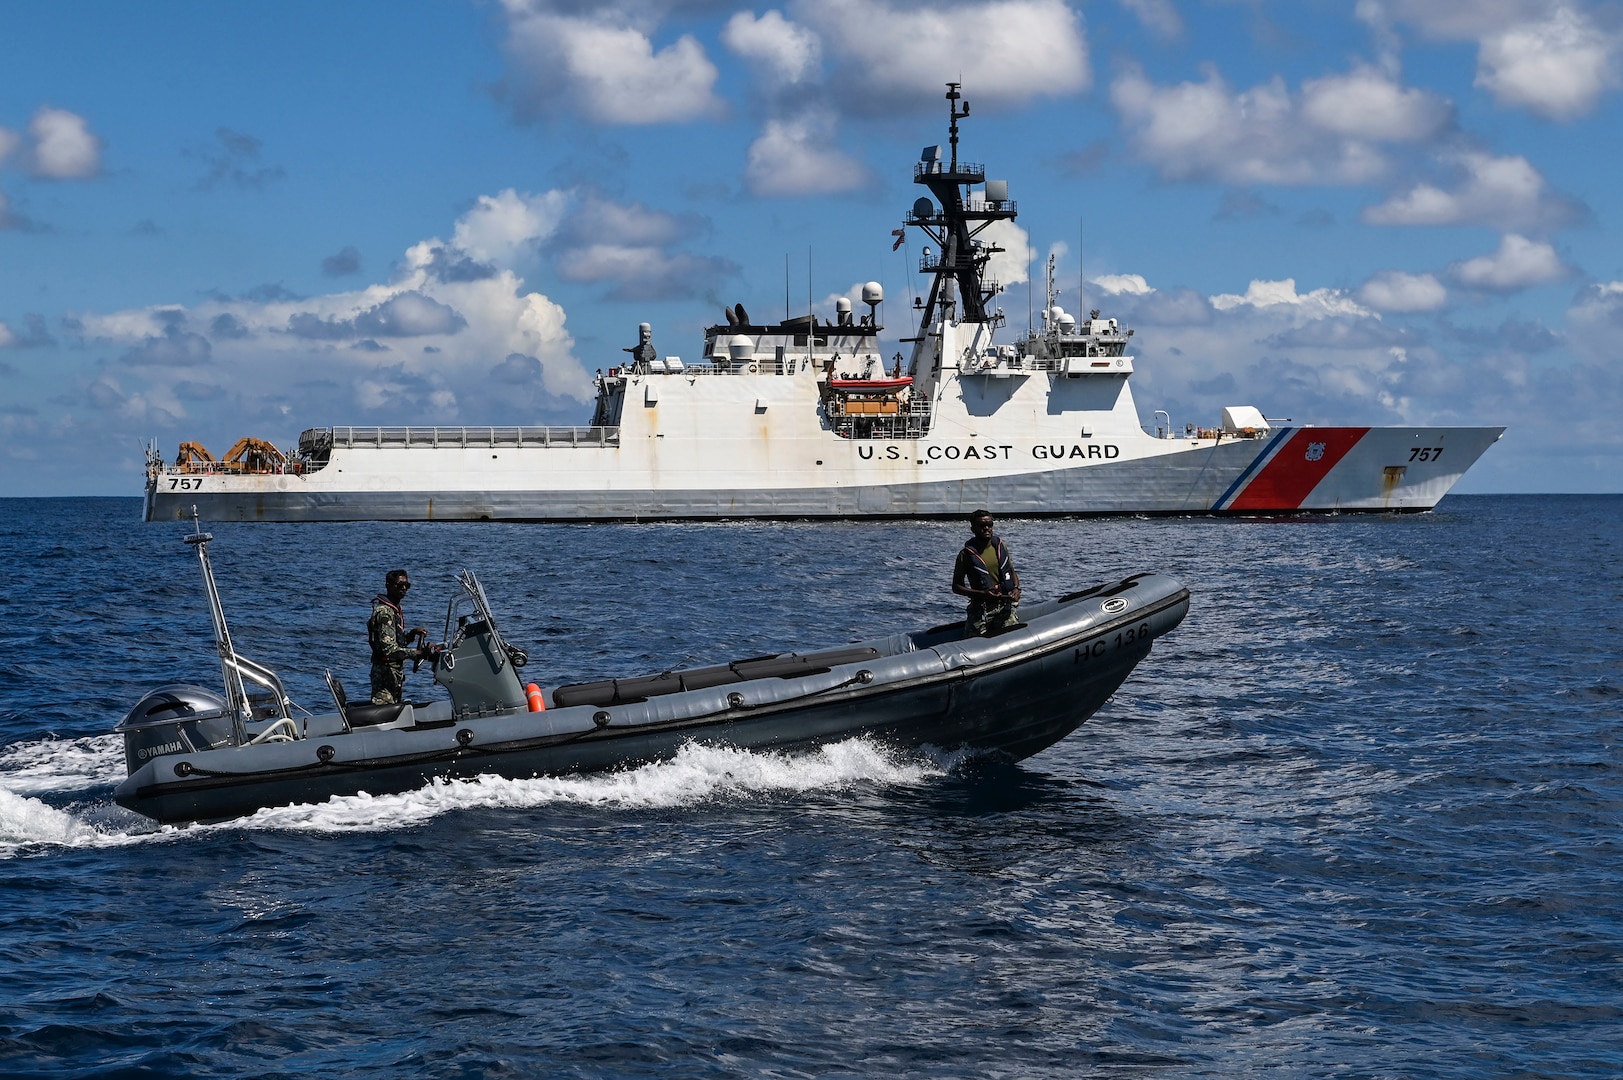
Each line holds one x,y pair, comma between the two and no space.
47,765
696,775
28,824
53,766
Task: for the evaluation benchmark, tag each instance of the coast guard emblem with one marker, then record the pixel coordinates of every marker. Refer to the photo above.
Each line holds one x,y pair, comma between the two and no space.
1315,451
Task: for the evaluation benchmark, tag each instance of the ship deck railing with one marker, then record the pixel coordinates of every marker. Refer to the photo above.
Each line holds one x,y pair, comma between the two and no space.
794,357
291,467
435,437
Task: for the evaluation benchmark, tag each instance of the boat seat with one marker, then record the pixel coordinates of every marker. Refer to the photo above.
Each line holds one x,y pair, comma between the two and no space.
616,691
370,715
365,715
795,665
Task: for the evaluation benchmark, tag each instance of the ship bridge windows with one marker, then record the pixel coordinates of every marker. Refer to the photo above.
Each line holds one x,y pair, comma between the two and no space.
1092,348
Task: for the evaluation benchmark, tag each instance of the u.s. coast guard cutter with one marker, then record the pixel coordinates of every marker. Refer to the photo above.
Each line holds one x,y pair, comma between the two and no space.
805,418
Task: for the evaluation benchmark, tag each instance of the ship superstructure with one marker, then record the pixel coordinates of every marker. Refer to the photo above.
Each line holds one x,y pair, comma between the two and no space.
808,418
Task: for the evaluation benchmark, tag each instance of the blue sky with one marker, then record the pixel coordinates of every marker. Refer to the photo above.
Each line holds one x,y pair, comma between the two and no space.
228,220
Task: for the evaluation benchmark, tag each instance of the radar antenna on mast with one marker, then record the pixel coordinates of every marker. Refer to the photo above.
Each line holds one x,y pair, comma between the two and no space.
955,220
953,97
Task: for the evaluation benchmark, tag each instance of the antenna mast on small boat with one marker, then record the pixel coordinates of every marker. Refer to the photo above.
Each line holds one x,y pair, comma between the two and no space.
230,673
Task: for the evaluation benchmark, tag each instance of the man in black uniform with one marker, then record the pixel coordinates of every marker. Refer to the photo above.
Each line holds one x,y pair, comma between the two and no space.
985,574
391,645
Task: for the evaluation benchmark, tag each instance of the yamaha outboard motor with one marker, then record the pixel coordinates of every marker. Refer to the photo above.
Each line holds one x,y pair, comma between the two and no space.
175,719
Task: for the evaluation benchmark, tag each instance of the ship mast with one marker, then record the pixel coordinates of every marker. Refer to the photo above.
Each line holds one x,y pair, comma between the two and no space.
959,289
1052,293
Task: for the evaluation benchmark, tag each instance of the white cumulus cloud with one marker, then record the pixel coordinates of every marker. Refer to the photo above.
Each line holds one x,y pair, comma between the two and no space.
1367,103
1397,291
1328,134
797,152
1518,264
1318,356
1123,284
607,68
1008,266
781,51
1157,16
1550,57
1003,51
500,227
1281,297
64,147
1596,318
597,219
1451,20
797,155
419,347
1558,67
1504,192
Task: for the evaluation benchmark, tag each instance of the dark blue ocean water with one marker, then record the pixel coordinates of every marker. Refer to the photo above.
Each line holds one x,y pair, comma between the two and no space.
1359,816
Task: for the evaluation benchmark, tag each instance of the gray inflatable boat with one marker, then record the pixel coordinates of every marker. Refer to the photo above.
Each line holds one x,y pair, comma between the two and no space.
195,754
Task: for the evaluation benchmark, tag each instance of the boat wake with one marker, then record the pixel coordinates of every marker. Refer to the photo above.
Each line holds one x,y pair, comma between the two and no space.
698,775
51,765
28,826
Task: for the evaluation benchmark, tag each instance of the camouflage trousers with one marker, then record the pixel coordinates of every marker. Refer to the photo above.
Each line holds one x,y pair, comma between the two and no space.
985,616
388,684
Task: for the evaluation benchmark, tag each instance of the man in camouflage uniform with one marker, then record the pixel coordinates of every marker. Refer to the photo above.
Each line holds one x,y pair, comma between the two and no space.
391,644
984,574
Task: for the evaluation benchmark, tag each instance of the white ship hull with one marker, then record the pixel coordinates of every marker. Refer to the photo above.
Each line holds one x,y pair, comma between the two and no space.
724,446
805,419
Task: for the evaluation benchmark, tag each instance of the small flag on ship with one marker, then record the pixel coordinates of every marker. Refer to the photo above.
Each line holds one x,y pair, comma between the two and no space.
900,235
